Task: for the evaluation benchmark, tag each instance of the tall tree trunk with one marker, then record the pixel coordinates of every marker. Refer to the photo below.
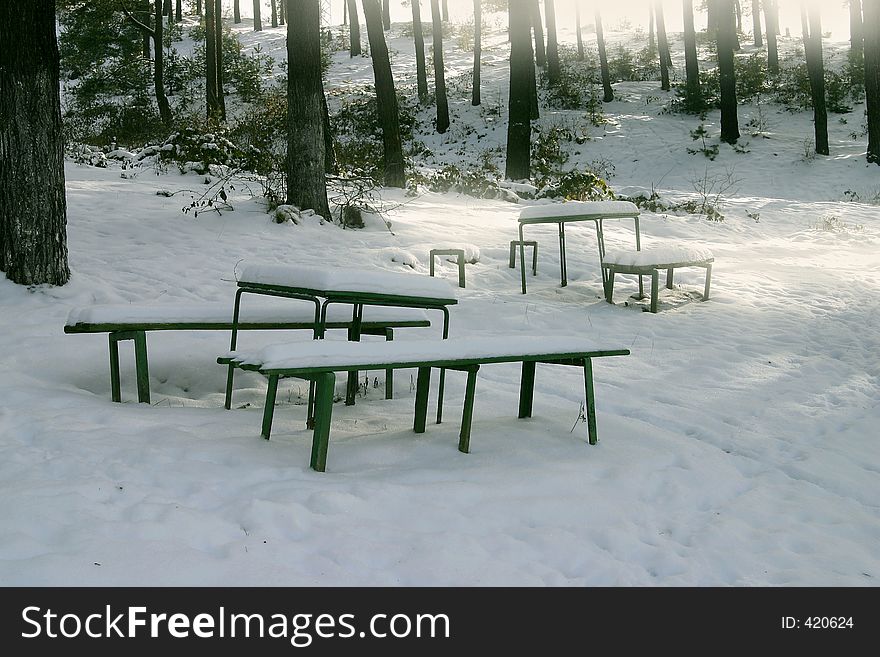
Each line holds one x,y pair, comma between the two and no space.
274,6
354,29
386,98
212,99
198,7
146,11
344,12
727,73
577,27
168,9
871,14
534,110
178,10
418,37
329,154
816,72
33,208
538,27
282,11
218,39
771,22
856,38
258,23
445,11
521,63
386,14
439,72
306,184
236,12
478,49
159,68
737,6
652,42
662,45
553,68
756,23
693,100
608,92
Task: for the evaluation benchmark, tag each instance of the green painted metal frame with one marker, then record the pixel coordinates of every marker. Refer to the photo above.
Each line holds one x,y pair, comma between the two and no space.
600,239
653,270
325,379
459,253
512,259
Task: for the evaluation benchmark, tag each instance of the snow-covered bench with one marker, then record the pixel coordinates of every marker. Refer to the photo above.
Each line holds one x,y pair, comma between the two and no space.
319,360
133,321
650,261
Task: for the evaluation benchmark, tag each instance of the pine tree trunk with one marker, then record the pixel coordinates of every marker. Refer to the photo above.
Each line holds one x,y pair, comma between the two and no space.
445,11
33,208
816,72
693,98
871,14
211,97
386,14
608,92
386,98
274,9
856,38
258,22
478,49
306,184
282,11
218,40
534,110
771,22
418,37
538,27
168,10
727,73
577,20
553,69
739,15
159,67
662,45
329,152
756,23
439,71
236,12
521,63
178,11
198,7
652,42
354,29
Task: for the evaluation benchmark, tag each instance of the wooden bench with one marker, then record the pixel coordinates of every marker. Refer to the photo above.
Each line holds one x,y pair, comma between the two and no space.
650,261
318,361
133,321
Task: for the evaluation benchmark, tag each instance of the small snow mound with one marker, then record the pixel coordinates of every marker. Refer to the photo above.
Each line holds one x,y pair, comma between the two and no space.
400,256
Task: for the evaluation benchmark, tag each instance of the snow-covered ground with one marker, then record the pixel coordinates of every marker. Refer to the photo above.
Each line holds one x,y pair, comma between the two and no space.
735,441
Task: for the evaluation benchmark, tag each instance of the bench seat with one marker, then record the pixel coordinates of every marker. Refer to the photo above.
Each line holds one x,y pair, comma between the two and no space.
133,321
648,261
319,361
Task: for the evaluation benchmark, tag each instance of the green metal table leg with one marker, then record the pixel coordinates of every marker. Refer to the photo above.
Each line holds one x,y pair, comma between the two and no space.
461,270
442,384
467,415
708,281
639,248
609,285
115,392
354,335
669,280
326,384
562,267
269,408
591,401
655,292
230,374
423,385
143,370
522,258
389,374
527,389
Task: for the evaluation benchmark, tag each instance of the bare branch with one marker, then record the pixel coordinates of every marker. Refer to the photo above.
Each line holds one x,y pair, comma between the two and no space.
142,26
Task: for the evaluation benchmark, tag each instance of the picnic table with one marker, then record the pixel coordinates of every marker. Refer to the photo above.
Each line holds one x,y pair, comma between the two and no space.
577,211
357,288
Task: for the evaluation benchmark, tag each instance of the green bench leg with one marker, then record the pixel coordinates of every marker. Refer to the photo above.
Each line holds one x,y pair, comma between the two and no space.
269,408
230,374
655,275
669,284
115,392
527,389
461,270
326,384
354,335
609,285
708,281
467,415
591,401
142,368
423,385
389,374
522,258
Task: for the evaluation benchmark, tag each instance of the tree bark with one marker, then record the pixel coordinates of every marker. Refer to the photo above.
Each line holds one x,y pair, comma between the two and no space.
198,7
306,184
662,45
693,98
727,73
756,23
33,208
258,22
329,153
577,20
159,67
856,37
538,27
354,29
553,68
771,22
521,62
218,40
274,9
386,98
652,42
386,14
212,99
478,48
282,11
236,12
178,11
608,92
445,11
418,37
816,73
439,71
871,14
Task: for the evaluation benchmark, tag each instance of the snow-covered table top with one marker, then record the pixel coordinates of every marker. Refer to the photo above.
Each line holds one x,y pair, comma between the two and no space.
316,354
337,281
577,211
661,257
145,314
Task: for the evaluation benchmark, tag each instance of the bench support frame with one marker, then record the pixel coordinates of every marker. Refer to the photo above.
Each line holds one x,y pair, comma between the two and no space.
654,271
